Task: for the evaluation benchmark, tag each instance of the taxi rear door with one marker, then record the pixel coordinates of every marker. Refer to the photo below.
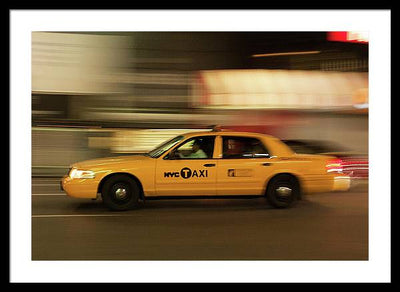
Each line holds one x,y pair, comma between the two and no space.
243,167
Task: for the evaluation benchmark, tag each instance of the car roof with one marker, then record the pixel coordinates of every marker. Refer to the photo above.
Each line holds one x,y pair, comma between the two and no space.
226,133
281,150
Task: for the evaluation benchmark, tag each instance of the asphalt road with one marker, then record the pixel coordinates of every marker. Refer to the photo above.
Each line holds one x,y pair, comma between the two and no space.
326,226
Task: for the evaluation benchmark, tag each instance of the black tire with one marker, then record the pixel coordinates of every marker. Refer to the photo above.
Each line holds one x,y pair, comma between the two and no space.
120,193
282,191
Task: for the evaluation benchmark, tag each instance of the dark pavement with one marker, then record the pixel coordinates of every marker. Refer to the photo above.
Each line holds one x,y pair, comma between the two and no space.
326,226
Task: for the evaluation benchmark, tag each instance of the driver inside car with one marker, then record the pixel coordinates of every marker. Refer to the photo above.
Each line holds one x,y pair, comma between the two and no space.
196,152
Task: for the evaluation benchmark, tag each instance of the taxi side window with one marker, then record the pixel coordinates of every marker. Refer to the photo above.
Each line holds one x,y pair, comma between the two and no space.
243,147
195,148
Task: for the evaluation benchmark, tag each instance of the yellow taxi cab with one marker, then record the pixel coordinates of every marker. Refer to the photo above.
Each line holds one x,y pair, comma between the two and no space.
207,164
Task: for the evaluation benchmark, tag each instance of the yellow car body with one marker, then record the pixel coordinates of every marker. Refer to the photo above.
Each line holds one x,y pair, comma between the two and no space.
217,175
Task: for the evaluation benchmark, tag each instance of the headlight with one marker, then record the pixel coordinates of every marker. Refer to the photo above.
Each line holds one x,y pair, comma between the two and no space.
79,173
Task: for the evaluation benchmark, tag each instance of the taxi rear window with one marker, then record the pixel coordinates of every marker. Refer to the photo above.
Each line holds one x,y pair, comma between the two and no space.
243,147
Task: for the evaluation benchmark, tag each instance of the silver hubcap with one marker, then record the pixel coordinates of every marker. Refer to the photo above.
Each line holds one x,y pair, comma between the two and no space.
284,191
120,193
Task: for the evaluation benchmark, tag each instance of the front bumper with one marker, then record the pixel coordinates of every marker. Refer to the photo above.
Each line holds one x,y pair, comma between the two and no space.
79,188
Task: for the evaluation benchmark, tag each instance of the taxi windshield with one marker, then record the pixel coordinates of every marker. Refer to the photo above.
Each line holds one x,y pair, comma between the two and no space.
159,150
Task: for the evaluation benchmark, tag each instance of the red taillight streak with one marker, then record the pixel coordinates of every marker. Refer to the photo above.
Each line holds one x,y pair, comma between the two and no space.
334,165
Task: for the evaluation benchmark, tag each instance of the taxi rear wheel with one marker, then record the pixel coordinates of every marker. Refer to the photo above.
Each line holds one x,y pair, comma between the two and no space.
283,190
120,193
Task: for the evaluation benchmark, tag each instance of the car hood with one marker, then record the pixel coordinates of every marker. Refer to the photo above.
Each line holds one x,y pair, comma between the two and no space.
99,163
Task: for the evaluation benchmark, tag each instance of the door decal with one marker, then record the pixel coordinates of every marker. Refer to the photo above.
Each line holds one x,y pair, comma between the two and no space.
186,173
240,172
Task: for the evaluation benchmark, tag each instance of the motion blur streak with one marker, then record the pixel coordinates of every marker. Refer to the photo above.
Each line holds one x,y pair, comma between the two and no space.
285,54
97,94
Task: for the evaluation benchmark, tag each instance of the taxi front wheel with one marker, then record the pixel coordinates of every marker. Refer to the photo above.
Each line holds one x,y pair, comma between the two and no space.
120,193
282,191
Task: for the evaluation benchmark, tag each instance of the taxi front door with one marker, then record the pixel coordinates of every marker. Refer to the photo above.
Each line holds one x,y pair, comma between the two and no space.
186,176
195,177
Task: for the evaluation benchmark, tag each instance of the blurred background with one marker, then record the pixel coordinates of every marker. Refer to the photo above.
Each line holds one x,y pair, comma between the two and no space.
97,94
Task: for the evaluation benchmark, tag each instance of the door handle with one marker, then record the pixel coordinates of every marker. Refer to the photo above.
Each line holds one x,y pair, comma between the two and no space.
266,164
209,164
